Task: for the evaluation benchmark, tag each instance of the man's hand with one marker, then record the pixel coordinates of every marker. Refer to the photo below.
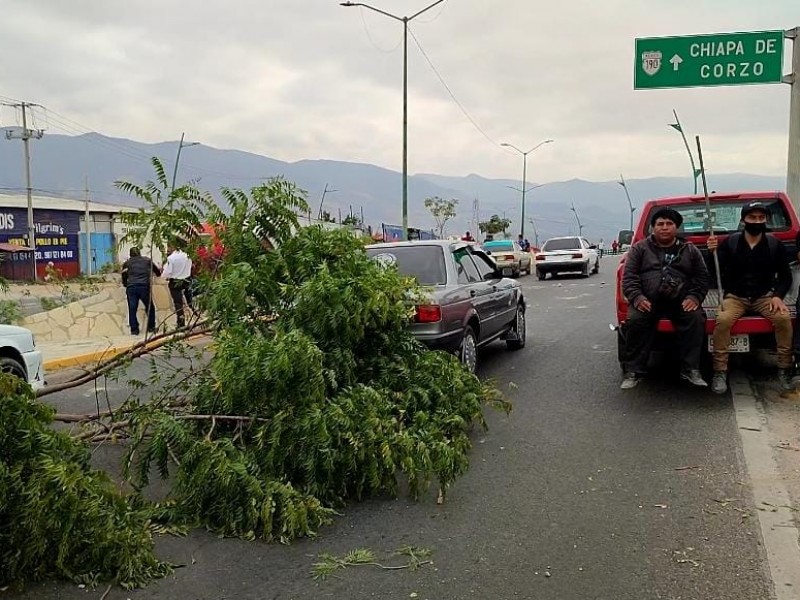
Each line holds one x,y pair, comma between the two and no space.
712,242
689,304
779,306
644,305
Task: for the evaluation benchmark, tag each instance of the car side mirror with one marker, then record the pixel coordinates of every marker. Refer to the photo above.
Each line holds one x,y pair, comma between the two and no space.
593,247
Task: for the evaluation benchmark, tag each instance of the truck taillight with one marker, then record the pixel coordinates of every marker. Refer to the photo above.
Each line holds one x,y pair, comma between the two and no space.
428,313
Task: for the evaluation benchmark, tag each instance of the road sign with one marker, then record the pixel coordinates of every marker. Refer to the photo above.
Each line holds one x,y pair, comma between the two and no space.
709,60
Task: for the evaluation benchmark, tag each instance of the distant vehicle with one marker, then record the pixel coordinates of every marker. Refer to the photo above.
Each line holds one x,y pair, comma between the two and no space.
19,356
567,255
508,253
470,301
624,239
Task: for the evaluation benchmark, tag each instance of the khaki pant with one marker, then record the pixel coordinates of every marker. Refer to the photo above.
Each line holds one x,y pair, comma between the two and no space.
734,307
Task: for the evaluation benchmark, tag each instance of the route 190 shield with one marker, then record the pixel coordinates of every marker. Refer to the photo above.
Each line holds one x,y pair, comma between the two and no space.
651,62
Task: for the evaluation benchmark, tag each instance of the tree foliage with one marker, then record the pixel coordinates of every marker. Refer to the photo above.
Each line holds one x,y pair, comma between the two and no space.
316,394
495,224
442,211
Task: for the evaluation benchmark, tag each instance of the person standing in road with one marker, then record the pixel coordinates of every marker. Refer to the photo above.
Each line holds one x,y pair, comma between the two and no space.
614,247
756,276
178,271
665,276
137,274
601,248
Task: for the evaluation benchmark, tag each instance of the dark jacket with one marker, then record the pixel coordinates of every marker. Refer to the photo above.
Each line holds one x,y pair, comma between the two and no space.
136,271
645,271
755,273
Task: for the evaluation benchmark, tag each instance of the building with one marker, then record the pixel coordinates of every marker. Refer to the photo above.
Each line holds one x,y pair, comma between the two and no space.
59,235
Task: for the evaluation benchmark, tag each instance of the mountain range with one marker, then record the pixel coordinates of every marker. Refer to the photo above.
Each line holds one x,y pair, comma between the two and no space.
60,165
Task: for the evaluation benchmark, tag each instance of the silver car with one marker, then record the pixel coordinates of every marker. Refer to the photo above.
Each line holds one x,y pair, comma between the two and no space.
470,303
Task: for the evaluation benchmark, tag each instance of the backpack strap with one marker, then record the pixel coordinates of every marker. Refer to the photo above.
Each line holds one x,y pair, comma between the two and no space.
772,243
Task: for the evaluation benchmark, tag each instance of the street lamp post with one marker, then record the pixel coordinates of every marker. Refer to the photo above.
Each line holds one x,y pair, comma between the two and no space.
628,196
405,21
535,232
181,145
524,177
677,127
578,219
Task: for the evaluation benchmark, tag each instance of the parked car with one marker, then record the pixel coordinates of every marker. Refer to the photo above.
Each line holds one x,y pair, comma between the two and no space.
19,356
508,253
471,302
567,255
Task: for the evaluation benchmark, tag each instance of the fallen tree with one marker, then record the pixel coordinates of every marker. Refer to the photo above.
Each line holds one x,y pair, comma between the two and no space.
315,395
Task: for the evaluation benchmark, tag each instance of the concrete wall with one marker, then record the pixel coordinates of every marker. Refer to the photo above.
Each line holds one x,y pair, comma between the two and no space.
102,315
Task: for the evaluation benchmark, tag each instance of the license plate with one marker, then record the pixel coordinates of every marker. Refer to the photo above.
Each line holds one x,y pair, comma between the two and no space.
739,343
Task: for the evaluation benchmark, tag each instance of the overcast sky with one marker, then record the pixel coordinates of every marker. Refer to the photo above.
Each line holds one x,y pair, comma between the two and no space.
302,79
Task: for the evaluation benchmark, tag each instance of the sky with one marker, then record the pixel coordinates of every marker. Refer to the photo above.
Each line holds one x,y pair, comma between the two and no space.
306,79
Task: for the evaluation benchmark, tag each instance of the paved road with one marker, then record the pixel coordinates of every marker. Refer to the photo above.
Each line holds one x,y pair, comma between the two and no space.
583,492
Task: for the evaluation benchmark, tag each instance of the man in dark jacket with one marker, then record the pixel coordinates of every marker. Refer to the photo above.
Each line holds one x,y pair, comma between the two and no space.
756,276
136,277
665,276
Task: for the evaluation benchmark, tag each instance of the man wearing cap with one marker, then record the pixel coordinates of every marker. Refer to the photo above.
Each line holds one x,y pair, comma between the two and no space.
756,276
665,276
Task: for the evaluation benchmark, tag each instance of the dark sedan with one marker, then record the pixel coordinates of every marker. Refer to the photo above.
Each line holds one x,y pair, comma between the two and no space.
470,303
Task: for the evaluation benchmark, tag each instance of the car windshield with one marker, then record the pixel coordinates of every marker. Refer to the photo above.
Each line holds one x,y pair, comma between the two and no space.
502,246
562,244
726,216
423,263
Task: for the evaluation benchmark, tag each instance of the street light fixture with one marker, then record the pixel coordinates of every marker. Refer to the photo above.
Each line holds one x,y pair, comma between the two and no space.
404,21
181,145
524,176
628,196
578,219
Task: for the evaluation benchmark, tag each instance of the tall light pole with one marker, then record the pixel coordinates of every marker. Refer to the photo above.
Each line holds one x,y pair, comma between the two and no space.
405,21
535,232
524,177
578,219
628,196
325,192
677,127
181,145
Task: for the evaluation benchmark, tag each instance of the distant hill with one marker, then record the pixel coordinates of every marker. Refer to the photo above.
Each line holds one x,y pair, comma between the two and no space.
59,164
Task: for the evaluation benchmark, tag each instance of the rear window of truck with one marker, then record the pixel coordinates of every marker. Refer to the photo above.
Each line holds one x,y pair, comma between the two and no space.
726,216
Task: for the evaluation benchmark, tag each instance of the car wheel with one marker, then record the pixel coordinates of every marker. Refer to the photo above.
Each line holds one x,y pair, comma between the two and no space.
13,367
585,270
541,275
519,328
596,266
469,350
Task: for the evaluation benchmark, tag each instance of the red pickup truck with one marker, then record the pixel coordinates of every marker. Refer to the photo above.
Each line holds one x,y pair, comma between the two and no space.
751,331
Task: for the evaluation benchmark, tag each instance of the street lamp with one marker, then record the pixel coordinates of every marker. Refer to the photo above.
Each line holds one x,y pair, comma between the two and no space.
524,176
535,232
628,196
181,145
677,127
578,219
404,21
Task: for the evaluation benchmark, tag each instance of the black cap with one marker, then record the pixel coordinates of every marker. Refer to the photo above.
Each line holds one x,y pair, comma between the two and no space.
667,213
753,206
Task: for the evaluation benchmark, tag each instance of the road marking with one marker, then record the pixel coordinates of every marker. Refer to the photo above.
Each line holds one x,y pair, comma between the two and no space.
778,529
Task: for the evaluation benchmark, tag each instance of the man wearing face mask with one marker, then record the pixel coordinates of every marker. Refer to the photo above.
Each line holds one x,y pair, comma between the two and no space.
755,278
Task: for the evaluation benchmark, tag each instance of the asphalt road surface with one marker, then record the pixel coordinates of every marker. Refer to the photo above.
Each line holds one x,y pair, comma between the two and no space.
583,492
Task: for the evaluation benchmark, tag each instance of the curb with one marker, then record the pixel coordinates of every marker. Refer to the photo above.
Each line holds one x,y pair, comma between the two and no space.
79,360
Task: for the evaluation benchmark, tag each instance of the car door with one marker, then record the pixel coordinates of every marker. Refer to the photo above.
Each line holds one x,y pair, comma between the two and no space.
479,290
503,307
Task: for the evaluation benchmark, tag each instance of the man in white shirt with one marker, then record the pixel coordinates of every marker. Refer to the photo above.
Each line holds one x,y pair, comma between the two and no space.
178,271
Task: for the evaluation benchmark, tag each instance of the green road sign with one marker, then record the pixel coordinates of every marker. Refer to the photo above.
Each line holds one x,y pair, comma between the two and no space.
709,60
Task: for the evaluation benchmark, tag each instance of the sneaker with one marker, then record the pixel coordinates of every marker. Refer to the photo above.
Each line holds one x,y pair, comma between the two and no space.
693,376
630,381
719,384
785,380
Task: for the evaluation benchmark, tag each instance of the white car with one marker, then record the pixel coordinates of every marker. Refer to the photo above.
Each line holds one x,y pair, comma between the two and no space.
19,356
567,255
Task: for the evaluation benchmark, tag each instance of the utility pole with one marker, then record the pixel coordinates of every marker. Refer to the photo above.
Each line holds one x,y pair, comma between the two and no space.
793,165
88,231
405,21
535,232
25,135
628,196
578,219
181,145
322,201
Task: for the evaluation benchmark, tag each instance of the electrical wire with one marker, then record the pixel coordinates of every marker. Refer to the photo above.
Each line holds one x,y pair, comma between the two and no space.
449,91
370,38
431,20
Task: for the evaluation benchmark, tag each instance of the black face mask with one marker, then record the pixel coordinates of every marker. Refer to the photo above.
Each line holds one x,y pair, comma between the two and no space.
755,228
